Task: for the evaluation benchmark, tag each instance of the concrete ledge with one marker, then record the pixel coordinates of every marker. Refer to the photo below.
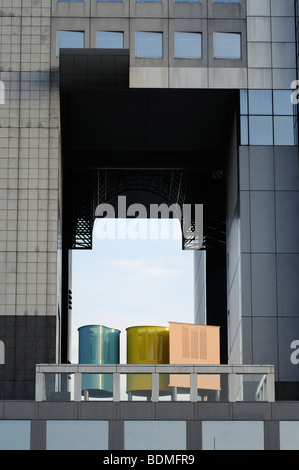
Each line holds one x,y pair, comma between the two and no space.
203,411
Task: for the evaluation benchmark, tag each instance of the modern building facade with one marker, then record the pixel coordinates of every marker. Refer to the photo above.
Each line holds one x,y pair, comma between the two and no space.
162,101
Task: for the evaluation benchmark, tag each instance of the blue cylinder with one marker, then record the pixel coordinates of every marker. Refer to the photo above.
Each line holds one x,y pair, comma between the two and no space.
98,345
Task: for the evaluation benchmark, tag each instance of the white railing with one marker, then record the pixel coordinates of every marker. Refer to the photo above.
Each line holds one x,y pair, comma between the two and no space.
226,383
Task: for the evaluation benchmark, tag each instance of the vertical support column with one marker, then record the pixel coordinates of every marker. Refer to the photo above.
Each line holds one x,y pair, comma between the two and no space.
155,387
116,435
193,435
39,386
271,435
77,391
232,388
271,388
38,434
116,386
193,387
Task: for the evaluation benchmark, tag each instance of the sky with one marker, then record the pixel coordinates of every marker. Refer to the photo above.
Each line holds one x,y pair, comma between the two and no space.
136,274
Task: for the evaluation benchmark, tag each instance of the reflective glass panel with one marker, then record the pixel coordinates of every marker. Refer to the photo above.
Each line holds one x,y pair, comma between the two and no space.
243,101
261,130
260,102
283,130
227,45
289,435
110,40
77,435
244,130
251,387
232,435
187,1
282,102
97,386
187,45
155,435
70,39
135,387
149,45
14,435
58,387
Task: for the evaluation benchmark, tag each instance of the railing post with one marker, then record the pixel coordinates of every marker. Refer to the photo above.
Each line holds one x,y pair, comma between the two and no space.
155,387
271,388
116,386
232,385
193,387
77,386
39,386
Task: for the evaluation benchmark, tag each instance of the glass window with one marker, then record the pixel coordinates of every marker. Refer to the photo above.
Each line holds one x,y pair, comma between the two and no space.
14,435
149,45
70,39
226,1
284,130
244,130
187,1
243,101
260,102
110,40
187,45
77,435
233,435
227,45
147,1
282,103
261,130
70,0
289,435
155,435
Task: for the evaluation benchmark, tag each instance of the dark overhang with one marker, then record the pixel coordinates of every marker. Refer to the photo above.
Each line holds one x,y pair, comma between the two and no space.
175,139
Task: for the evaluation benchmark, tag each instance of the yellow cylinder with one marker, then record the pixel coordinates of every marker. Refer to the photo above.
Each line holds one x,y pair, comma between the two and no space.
147,345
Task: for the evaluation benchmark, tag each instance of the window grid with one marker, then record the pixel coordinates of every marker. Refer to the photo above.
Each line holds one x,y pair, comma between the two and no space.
278,127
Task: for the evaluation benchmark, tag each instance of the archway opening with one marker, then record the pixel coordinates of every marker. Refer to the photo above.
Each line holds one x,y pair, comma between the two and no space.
136,274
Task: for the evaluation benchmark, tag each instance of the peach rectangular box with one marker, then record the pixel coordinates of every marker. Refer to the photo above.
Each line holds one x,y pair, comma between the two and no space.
194,344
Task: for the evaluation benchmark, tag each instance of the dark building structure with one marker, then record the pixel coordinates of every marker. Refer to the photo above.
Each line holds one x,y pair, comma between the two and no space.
176,102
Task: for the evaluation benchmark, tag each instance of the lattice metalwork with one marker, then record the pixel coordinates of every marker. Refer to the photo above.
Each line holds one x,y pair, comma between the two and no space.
173,187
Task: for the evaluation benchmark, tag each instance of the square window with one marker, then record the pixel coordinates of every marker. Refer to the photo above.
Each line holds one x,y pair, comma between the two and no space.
155,435
233,435
260,102
282,103
70,39
261,130
110,40
187,45
227,45
149,45
284,132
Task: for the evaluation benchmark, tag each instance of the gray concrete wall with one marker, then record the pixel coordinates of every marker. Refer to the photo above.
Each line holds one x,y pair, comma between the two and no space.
117,414
29,141
269,201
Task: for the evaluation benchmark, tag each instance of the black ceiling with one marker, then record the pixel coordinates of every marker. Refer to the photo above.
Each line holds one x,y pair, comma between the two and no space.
107,126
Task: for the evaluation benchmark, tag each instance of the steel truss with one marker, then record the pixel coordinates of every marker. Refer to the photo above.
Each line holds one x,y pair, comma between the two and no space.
94,188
